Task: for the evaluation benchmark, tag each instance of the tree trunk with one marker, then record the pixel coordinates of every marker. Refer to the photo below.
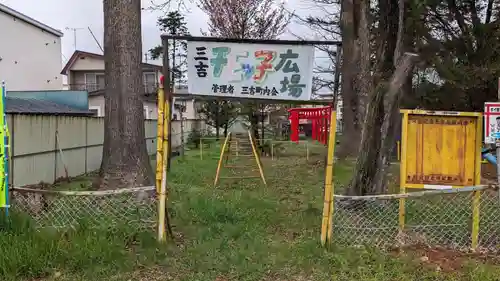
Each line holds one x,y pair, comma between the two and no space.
376,147
379,132
353,98
125,162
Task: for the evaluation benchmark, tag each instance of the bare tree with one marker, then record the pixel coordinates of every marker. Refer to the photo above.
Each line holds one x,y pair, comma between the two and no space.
257,19
125,161
340,19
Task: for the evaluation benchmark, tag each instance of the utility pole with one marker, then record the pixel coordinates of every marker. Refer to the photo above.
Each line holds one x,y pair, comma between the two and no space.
74,29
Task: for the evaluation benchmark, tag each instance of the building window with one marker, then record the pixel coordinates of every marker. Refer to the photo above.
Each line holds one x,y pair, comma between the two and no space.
150,82
94,81
146,112
96,111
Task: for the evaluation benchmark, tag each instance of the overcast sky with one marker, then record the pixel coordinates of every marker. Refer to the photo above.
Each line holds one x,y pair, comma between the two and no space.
79,14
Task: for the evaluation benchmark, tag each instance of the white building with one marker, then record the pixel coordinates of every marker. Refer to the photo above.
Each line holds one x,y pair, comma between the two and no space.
30,53
85,72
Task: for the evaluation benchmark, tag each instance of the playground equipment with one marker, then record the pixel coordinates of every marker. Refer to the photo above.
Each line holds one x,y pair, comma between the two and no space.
267,70
245,147
320,117
488,155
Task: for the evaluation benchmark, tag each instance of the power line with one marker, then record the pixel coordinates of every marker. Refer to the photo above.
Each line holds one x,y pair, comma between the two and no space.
95,39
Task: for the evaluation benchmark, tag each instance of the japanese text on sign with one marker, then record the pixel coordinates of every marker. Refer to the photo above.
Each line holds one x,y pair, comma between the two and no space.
491,121
250,70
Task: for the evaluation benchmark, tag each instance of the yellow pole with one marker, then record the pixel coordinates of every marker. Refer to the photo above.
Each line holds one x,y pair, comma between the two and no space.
326,226
221,159
475,219
162,205
257,158
159,138
476,199
164,120
402,170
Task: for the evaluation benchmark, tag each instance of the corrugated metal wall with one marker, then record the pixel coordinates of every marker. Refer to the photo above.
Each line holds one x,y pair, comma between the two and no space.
37,142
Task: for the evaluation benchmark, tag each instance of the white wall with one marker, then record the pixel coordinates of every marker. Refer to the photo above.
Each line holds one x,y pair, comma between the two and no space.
97,102
88,63
79,138
30,57
191,112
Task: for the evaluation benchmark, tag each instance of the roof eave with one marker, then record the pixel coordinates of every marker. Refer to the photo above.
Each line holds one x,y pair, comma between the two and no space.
77,54
30,20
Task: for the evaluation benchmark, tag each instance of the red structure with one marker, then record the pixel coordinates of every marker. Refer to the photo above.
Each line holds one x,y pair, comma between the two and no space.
320,117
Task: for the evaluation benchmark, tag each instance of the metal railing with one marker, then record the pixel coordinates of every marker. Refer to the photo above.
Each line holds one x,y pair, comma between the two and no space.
460,219
134,207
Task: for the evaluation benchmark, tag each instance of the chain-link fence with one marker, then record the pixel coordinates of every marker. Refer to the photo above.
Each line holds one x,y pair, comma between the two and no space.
275,149
457,219
306,149
133,207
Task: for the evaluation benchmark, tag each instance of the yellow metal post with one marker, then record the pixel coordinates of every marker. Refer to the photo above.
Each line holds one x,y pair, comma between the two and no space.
221,159
159,138
327,221
162,159
476,200
402,169
475,219
257,157
162,204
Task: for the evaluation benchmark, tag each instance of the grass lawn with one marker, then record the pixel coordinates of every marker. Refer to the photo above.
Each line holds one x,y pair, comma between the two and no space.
240,230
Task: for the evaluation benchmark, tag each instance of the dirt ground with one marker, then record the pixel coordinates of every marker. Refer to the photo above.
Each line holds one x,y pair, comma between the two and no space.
446,260
488,173
442,259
